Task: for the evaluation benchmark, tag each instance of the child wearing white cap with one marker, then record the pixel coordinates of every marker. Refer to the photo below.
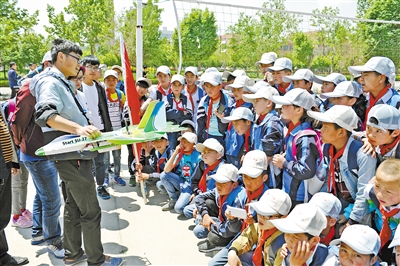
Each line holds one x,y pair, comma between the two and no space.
212,153
358,245
302,229
302,146
267,240
177,173
212,205
349,167
238,137
267,60
281,68
192,91
328,85
163,88
396,245
178,107
384,202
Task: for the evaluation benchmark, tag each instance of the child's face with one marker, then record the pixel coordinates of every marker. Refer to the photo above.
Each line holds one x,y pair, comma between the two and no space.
177,88
350,257
264,67
264,221
278,75
163,79
293,240
261,105
188,129
241,127
141,91
387,189
186,145
118,72
111,82
160,144
291,112
190,78
397,255
252,184
210,156
327,87
92,72
225,188
370,81
302,84
378,136
211,90
328,133
344,100
237,93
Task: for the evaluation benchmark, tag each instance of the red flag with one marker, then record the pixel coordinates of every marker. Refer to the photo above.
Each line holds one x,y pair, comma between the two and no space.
132,97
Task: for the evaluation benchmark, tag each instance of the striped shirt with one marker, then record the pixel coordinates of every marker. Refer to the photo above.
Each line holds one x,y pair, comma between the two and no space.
5,141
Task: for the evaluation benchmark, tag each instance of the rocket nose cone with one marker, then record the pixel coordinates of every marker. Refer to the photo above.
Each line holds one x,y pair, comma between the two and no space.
40,152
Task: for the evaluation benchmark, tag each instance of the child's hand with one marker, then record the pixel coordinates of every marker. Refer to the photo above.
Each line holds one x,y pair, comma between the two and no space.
230,217
139,167
342,219
284,251
195,211
233,259
368,148
142,176
207,222
278,160
192,197
220,116
249,220
178,149
301,253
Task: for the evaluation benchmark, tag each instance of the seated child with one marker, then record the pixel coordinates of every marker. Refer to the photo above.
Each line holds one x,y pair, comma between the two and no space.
211,154
147,160
212,205
189,125
177,173
302,229
384,202
260,244
396,245
358,245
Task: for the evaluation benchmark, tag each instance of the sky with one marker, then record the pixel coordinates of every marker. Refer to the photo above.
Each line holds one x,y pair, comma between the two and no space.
347,8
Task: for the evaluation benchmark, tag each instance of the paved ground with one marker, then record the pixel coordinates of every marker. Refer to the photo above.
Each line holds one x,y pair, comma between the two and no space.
142,234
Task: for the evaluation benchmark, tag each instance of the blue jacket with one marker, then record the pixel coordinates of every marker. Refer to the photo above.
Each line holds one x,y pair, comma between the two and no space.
13,78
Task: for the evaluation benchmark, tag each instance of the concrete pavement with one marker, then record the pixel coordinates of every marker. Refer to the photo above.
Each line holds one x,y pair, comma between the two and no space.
141,234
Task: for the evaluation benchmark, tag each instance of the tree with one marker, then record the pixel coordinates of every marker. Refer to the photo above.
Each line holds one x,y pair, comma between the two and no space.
199,37
303,50
92,22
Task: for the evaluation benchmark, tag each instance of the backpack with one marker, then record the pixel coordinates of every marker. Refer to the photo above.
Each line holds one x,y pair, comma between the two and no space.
314,184
9,110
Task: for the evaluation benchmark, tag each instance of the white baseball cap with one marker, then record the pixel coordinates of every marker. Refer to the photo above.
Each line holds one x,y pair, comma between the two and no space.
236,73
254,163
362,238
214,78
241,82
268,58
192,69
163,69
225,173
297,97
300,74
345,88
342,115
117,67
380,64
280,64
258,85
111,73
148,81
387,116
239,113
335,78
164,136
47,57
187,122
396,239
189,136
273,201
328,203
211,69
212,144
179,78
266,92
305,218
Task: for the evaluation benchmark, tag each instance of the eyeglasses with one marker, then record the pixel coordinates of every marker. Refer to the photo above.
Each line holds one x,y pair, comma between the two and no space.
77,58
93,68
78,79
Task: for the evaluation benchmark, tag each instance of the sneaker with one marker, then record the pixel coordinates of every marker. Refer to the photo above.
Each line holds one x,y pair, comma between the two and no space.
56,248
169,206
14,260
37,240
27,214
132,182
119,181
106,181
22,222
74,262
208,247
102,192
109,261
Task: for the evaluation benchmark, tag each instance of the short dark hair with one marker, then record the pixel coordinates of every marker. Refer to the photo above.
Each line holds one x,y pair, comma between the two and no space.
12,63
90,60
143,84
30,64
64,46
336,126
230,77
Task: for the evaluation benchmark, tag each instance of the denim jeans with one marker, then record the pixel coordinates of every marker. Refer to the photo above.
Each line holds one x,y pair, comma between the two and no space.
99,168
117,161
184,197
200,231
19,189
171,183
188,210
47,201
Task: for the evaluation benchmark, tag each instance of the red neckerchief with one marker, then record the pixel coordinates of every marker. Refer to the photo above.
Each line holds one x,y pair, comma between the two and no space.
180,155
328,238
250,197
177,103
264,235
283,89
291,126
331,174
161,90
239,103
261,118
203,180
373,100
387,147
386,233
190,94
246,140
209,111
221,201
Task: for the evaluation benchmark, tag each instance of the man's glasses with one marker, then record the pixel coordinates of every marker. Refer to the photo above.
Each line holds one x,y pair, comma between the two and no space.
78,79
77,58
93,68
